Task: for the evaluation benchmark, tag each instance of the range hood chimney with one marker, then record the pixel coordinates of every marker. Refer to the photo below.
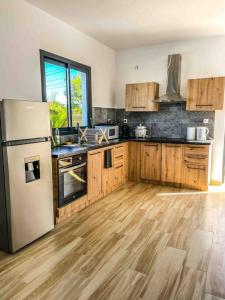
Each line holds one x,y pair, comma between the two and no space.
173,81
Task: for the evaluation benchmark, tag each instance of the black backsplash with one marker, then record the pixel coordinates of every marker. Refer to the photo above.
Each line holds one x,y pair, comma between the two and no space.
170,121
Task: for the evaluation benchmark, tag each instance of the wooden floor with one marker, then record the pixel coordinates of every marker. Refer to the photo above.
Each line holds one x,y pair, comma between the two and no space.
141,242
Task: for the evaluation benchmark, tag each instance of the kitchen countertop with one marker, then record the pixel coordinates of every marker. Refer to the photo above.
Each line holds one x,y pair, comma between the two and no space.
170,140
64,151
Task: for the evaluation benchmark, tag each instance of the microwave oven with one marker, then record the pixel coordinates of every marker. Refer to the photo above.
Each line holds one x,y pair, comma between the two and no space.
112,131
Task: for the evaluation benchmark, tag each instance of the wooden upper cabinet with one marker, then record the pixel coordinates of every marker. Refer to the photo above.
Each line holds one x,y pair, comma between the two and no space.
205,94
140,96
172,163
151,161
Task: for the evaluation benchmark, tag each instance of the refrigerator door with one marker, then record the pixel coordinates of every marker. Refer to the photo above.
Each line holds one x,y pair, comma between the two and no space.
24,120
29,195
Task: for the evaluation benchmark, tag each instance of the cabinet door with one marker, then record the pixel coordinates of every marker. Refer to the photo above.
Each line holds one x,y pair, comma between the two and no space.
142,96
131,96
196,176
107,181
95,165
215,95
108,177
134,158
172,161
139,96
151,161
118,175
205,94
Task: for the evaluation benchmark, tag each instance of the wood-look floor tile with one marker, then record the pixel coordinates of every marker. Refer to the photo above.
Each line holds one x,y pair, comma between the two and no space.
189,285
211,297
164,274
140,242
198,245
215,280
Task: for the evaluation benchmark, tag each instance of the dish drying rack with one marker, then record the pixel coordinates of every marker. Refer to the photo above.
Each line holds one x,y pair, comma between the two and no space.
93,135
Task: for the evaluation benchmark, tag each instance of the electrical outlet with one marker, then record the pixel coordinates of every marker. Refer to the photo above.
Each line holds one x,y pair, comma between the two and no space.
205,121
125,121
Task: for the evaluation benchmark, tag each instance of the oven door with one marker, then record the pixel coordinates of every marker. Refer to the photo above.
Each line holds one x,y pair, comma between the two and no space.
72,183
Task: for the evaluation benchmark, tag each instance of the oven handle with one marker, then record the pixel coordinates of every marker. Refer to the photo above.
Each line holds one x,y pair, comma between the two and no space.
72,168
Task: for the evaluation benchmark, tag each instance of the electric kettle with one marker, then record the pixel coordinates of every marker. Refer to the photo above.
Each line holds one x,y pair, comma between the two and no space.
202,133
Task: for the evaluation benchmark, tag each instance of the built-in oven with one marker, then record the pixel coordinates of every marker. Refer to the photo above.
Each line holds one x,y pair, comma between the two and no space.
72,178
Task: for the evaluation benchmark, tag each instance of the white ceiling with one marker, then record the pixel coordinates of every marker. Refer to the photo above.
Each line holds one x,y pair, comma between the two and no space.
133,23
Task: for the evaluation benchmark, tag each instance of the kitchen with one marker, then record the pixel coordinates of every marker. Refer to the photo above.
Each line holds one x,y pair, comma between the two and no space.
129,202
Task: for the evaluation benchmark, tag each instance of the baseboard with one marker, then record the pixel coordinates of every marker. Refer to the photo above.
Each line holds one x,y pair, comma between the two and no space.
215,182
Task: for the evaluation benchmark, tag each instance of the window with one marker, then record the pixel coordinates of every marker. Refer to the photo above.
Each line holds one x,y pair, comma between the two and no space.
66,85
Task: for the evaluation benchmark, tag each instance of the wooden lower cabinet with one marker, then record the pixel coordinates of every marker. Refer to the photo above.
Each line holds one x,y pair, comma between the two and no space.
183,165
172,163
196,166
134,161
107,175
107,180
151,154
118,175
120,163
95,166
102,181
195,176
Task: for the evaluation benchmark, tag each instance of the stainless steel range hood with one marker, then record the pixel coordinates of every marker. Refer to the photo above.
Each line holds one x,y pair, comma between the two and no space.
173,81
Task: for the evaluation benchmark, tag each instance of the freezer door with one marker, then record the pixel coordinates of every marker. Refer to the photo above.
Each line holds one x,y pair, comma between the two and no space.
29,196
24,120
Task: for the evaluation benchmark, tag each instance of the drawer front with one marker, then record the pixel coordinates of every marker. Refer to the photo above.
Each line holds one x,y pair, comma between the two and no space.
119,158
195,176
199,159
200,150
119,150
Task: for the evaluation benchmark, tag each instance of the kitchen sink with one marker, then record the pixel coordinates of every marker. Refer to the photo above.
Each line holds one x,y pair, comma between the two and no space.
76,145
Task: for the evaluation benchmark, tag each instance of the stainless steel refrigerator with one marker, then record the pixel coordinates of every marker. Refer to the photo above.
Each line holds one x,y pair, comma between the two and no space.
26,196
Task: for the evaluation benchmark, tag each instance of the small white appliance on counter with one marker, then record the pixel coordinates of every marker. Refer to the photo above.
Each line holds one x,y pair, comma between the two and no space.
202,133
111,131
140,131
191,133
26,196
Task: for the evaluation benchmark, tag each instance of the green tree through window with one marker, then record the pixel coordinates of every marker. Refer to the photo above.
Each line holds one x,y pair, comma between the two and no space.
68,99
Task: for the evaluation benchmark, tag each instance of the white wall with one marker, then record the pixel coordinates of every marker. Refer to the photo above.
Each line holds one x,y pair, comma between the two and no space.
24,29
200,58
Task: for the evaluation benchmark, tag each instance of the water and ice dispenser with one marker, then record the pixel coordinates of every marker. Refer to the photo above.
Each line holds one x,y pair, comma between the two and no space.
32,168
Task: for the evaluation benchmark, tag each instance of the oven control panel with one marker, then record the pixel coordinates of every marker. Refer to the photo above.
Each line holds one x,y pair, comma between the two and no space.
74,160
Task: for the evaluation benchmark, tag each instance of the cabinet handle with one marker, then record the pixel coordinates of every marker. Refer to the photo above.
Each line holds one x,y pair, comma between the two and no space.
119,156
117,167
196,168
204,105
197,147
138,106
151,145
173,146
94,153
197,156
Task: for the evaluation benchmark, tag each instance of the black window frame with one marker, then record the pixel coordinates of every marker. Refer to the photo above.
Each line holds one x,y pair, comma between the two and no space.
70,64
